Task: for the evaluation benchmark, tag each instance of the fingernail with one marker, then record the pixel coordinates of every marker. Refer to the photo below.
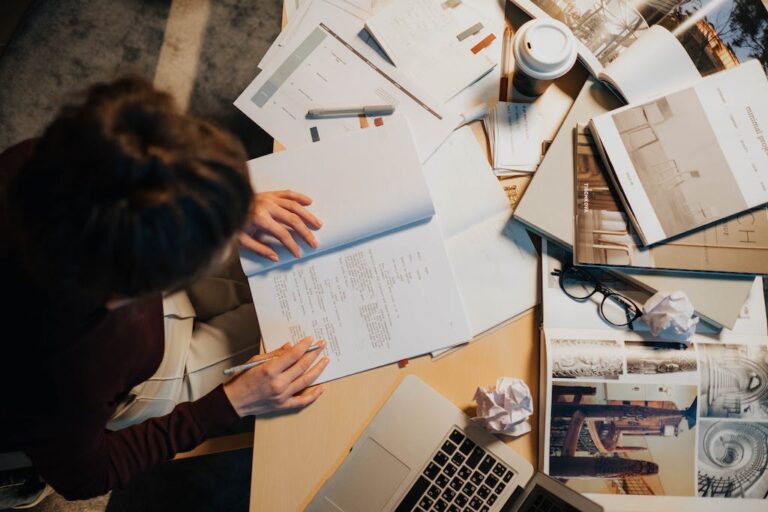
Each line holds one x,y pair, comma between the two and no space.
274,257
322,343
326,360
313,242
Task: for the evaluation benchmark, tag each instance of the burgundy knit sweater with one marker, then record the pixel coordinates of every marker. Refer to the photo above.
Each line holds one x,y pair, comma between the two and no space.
64,367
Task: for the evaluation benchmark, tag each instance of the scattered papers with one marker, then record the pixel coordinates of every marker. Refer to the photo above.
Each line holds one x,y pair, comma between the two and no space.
673,310
505,410
323,70
515,134
439,48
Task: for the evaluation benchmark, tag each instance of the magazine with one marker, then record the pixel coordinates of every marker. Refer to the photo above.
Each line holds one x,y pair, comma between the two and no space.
624,412
605,237
690,158
632,415
667,43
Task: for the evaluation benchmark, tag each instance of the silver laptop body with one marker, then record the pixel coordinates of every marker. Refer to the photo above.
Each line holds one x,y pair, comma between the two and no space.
421,453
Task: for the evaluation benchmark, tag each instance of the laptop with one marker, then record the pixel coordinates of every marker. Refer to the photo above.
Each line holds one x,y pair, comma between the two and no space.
421,454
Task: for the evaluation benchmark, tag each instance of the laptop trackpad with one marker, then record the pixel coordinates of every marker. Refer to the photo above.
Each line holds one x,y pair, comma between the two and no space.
367,480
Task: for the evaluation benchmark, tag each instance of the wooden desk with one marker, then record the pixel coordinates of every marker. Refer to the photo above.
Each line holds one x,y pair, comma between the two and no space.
293,454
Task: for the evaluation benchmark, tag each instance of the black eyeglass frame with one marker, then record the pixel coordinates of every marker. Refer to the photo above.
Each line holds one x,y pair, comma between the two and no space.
607,292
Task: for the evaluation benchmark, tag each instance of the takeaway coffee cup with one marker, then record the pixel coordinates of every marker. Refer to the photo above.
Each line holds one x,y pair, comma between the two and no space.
544,50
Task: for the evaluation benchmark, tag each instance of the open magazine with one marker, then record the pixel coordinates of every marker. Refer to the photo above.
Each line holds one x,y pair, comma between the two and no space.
652,45
606,237
692,157
627,413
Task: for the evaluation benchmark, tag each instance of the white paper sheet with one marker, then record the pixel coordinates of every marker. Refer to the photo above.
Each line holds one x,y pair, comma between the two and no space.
493,258
365,183
655,64
324,70
430,44
516,132
347,19
376,302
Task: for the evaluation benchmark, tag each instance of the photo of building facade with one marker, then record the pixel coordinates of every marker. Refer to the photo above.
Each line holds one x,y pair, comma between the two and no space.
586,358
649,358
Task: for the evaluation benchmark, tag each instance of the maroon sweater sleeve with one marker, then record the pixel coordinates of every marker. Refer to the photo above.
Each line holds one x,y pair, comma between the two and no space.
84,462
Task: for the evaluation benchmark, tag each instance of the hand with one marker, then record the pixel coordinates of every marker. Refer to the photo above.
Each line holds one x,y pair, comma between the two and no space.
278,214
280,384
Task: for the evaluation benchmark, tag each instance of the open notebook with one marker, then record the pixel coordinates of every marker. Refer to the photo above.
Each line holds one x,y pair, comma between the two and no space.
391,280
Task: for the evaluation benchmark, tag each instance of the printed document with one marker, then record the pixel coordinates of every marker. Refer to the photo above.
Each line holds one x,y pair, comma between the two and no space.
432,44
324,70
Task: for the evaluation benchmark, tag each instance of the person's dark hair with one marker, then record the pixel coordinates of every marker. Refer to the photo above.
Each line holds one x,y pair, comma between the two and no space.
125,195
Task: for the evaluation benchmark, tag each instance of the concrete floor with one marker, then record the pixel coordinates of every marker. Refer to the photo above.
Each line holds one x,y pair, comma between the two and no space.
205,51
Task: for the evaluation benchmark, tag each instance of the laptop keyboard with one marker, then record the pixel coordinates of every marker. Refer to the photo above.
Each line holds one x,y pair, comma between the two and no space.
460,476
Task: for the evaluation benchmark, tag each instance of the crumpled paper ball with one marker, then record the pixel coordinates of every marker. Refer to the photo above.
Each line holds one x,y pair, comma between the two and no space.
505,410
670,309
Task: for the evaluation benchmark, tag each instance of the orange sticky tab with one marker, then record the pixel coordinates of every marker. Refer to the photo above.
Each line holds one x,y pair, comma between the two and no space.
378,121
402,363
363,121
484,43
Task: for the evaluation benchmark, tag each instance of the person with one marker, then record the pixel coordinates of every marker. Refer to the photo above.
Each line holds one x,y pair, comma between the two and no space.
124,299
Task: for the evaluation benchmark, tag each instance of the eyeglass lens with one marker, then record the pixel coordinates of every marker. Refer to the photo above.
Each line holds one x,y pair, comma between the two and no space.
577,283
617,310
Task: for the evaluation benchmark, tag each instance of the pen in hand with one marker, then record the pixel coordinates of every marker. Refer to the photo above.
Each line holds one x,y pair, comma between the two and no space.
253,364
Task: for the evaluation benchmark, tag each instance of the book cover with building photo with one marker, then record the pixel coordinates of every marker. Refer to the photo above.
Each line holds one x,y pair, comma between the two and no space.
691,158
604,236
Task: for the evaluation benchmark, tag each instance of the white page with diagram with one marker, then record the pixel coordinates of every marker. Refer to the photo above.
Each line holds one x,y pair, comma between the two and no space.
436,45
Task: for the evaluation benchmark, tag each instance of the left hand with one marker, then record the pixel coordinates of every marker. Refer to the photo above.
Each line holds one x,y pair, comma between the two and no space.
280,213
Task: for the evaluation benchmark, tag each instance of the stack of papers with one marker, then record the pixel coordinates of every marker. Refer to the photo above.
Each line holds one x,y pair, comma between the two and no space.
515,132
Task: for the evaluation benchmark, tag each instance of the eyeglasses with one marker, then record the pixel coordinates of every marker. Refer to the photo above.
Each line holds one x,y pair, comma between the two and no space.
615,308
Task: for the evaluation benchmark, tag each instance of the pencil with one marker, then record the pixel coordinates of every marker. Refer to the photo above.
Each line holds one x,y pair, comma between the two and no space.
504,84
254,364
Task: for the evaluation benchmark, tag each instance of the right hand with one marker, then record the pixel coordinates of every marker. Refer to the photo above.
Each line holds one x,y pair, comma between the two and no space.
280,384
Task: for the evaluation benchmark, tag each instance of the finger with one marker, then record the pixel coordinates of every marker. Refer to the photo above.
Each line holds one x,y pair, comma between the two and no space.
288,357
259,248
295,196
279,231
304,398
307,216
273,353
297,224
303,364
308,378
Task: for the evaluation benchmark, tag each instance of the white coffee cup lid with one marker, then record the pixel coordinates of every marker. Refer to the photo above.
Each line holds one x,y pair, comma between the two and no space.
545,49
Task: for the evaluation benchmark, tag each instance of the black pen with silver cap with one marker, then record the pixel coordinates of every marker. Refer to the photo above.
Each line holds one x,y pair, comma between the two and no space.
354,110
